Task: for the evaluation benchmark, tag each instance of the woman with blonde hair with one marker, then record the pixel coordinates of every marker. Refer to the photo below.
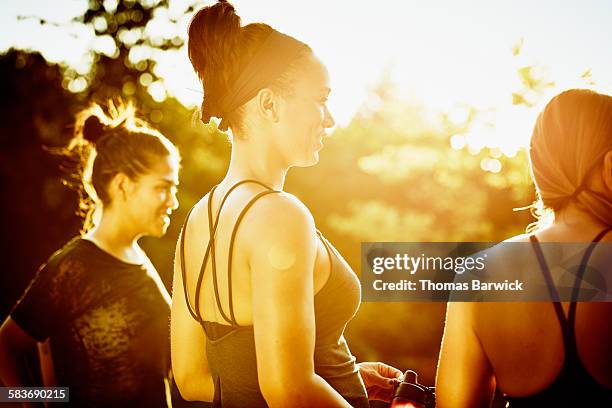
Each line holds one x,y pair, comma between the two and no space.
98,300
260,298
546,354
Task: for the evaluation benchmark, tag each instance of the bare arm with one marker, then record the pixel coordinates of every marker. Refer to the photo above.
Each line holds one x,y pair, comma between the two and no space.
188,345
465,377
14,345
282,263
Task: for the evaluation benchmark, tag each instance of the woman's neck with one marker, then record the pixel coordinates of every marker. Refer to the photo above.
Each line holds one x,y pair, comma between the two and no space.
575,216
572,224
250,162
112,236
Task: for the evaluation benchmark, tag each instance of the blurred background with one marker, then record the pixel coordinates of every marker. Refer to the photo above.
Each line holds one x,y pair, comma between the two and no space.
434,107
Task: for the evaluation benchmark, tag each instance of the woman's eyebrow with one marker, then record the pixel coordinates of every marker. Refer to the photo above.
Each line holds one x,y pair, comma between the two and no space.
168,182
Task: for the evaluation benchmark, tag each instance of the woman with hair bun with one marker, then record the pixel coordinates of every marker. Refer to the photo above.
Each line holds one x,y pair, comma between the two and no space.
542,354
260,297
99,301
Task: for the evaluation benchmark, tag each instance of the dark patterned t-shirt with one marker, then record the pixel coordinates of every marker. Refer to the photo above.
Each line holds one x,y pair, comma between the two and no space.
107,322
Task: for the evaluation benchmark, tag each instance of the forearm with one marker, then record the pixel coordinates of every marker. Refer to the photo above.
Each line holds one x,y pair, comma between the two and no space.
325,395
306,393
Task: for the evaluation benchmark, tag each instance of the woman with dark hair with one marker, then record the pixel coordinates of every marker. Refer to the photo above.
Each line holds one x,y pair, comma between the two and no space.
546,354
260,298
99,301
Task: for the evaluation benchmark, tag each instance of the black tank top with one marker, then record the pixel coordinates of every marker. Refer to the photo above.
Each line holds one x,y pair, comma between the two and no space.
230,348
573,386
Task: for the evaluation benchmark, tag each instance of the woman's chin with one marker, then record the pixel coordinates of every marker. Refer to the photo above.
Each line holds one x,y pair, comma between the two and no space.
307,162
314,159
159,230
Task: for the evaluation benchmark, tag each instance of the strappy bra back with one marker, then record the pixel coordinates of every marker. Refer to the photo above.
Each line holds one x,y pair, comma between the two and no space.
573,380
210,253
213,329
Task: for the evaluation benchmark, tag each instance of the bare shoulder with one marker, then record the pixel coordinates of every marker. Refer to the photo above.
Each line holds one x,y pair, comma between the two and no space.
198,216
279,235
281,210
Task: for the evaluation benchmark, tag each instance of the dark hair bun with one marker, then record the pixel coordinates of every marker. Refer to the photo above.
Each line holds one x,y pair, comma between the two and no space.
214,32
213,46
93,129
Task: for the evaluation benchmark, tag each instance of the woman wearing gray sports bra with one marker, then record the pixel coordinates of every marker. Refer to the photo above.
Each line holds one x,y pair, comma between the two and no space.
260,298
542,354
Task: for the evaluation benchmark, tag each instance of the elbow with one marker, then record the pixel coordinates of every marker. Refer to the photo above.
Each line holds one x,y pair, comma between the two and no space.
192,396
194,387
182,384
191,375
280,393
284,398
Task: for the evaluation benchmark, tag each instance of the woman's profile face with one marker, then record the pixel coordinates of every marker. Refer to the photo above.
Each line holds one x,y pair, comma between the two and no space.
153,198
303,115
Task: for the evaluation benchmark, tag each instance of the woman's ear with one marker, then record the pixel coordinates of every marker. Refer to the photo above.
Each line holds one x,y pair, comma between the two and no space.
120,187
267,104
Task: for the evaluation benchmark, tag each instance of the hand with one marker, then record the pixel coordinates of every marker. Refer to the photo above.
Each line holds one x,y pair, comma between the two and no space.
380,380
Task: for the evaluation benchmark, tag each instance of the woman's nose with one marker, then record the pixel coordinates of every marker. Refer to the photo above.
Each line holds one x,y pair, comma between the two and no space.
328,119
173,201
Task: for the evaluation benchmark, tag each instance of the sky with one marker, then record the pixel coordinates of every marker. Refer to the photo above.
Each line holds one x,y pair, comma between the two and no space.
446,54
